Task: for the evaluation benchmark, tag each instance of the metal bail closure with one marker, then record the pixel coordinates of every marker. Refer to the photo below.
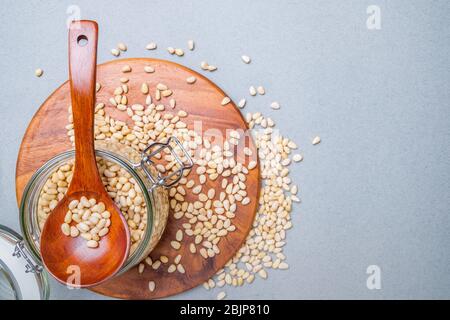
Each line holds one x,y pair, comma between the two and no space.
175,176
20,252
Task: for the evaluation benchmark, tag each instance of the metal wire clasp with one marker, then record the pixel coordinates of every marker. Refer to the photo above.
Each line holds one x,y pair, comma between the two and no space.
175,176
20,252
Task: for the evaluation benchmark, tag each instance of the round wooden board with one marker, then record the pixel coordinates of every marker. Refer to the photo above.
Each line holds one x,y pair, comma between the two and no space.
46,137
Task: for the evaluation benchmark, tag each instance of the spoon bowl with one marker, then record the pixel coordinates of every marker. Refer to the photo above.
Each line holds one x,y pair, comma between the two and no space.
70,260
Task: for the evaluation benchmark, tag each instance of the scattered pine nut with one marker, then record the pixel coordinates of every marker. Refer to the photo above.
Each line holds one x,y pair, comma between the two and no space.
294,189
246,59
316,140
179,52
98,86
171,268
275,105
252,91
38,72
252,165
225,101
204,65
212,68
115,52
122,46
175,244
180,268
156,265
126,68
262,273
149,69
151,46
151,286
144,88
221,295
297,157
241,103
191,79
171,50
191,45
166,93
261,90
161,87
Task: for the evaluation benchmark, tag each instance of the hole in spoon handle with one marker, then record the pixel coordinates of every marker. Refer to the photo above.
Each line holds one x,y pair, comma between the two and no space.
82,74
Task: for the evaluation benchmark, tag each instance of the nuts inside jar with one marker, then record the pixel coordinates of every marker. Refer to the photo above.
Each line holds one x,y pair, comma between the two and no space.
121,187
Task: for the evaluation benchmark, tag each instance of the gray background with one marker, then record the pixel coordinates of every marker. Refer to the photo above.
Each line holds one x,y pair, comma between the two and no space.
375,191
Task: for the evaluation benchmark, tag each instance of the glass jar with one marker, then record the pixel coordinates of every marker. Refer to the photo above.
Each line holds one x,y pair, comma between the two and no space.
141,167
20,276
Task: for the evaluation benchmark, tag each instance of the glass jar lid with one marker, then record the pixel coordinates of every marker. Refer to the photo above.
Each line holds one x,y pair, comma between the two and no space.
20,277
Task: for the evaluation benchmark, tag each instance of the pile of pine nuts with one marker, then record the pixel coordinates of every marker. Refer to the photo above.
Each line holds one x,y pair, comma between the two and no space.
91,218
263,248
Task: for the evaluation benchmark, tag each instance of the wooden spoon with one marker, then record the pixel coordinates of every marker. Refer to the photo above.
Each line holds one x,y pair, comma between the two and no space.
69,259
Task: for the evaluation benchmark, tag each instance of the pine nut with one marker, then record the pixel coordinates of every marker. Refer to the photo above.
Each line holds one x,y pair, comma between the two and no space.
144,88
275,105
122,46
115,52
179,235
149,69
38,72
151,46
191,45
175,244
241,103
297,157
191,80
225,101
92,244
261,90
65,228
246,59
179,52
221,295
172,268
151,286
126,68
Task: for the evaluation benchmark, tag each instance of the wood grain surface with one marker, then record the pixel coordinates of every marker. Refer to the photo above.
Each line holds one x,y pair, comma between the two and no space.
46,137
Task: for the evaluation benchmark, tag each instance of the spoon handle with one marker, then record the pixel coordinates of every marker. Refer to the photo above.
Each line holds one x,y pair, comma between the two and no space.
82,75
